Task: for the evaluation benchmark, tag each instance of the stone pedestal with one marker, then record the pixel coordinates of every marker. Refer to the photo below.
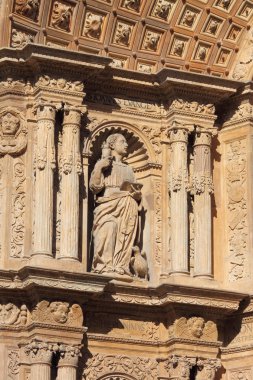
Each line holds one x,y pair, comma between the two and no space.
178,200
71,170
202,189
44,167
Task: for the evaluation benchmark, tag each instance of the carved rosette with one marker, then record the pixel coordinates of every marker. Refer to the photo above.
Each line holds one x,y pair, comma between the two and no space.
136,367
236,204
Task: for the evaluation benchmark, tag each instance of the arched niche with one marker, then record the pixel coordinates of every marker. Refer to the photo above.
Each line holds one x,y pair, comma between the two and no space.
117,376
141,157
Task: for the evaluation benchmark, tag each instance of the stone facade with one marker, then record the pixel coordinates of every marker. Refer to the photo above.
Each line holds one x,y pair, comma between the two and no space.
125,197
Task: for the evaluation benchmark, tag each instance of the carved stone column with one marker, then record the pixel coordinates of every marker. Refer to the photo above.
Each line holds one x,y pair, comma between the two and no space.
178,193
68,362
44,167
202,189
207,369
71,170
40,354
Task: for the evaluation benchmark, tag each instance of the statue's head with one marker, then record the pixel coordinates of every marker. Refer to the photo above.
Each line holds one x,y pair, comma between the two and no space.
118,144
60,311
196,326
9,124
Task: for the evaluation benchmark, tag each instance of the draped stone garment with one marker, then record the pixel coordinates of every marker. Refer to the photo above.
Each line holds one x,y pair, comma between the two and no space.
115,220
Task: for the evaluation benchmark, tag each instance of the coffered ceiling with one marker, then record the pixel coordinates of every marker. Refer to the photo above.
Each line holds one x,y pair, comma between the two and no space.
203,36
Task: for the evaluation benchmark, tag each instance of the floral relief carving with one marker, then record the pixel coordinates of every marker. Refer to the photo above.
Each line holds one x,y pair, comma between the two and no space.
139,368
11,314
28,8
20,38
93,25
194,328
13,132
13,365
151,40
40,351
236,173
122,34
61,16
69,355
18,209
59,83
58,313
158,222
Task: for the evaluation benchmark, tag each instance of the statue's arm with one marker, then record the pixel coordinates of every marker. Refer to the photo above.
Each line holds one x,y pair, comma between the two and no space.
97,179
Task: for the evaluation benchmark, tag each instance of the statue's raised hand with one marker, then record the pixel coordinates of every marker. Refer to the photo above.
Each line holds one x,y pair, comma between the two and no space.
104,163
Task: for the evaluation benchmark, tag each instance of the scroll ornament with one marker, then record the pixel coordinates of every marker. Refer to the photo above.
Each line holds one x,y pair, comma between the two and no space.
13,140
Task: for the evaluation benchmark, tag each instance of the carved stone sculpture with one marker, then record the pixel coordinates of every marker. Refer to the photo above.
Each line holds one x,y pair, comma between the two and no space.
139,263
162,9
19,38
194,328
207,368
61,16
93,25
116,215
178,367
122,34
132,4
189,18
12,132
10,314
151,41
28,8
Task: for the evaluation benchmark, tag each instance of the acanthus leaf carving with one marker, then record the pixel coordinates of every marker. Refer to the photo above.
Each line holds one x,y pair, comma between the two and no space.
207,368
179,367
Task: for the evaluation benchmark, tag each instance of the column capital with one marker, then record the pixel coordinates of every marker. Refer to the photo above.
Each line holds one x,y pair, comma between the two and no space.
45,110
204,137
73,114
40,352
177,135
207,368
69,355
180,366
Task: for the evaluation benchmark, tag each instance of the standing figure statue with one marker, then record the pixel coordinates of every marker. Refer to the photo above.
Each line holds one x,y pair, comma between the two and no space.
116,214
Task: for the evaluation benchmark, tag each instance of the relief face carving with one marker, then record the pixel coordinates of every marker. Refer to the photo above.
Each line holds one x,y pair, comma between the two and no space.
19,38
28,8
58,313
116,215
61,16
93,25
12,132
194,328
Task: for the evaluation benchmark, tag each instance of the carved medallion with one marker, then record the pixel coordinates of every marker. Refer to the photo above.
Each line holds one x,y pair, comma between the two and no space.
13,132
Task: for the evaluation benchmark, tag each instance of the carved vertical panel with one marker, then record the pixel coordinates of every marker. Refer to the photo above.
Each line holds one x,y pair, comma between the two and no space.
18,208
236,208
158,222
13,365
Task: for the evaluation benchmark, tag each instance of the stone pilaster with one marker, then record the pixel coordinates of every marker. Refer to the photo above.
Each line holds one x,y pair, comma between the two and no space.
207,368
40,354
68,362
202,189
178,193
44,167
71,170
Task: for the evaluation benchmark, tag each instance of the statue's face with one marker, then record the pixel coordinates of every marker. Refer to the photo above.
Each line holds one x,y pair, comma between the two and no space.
197,328
120,146
10,124
61,313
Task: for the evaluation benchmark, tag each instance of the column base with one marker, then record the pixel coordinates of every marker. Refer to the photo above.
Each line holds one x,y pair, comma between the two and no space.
179,273
68,258
203,276
42,253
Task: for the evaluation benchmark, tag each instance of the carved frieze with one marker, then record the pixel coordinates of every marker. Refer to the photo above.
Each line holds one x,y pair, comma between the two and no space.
241,374
140,368
61,16
18,209
11,314
60,313
193,106
59,84
194,328
236,172
28,8
13,132
13,363
20,38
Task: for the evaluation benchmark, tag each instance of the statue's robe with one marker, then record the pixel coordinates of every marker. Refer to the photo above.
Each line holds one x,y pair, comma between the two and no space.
115,220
